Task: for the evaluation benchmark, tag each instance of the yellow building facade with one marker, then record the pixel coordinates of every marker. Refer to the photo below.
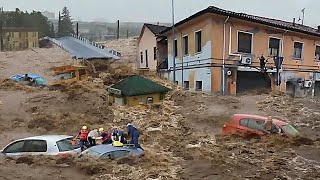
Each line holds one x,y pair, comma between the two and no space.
16,39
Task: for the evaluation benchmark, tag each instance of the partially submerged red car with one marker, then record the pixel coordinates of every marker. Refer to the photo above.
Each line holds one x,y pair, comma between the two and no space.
252,124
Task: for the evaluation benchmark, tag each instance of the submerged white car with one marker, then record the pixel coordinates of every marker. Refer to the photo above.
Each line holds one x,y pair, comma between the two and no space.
49,145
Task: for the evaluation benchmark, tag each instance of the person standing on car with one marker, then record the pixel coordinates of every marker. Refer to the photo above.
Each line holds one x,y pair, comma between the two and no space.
83,137
105,136
134,134
93,134
117,135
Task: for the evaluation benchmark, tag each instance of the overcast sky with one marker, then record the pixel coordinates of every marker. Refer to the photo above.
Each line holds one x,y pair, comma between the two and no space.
160,10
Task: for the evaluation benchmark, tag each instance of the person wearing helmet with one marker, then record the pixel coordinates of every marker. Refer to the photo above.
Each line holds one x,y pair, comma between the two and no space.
83,137
134,134
117,135
105,136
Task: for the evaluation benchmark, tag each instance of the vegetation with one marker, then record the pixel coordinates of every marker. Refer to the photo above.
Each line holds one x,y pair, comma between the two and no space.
65,25
22,19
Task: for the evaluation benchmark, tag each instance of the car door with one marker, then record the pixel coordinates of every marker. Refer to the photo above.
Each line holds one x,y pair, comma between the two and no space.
14,149
35,147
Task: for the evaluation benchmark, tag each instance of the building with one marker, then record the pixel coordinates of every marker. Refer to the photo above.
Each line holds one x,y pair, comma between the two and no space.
213,38
15,39
136,90
148,47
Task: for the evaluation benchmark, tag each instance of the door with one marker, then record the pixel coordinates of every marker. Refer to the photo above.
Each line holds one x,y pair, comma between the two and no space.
252,81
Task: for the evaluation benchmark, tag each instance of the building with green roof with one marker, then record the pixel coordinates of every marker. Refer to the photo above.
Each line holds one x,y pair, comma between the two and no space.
136,90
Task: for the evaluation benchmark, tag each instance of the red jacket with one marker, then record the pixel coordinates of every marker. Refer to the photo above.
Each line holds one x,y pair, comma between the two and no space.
84,135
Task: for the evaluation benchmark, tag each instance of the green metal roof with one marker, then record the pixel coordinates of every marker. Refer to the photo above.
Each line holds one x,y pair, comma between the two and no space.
138,85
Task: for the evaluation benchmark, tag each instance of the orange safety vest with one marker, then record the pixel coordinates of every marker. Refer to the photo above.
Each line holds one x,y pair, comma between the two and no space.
84,135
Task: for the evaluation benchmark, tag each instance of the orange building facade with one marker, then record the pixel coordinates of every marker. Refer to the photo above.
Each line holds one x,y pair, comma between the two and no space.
214,38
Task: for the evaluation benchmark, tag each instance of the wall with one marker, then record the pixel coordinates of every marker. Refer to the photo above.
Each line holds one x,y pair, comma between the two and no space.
195,60
147,42
135,100
20,40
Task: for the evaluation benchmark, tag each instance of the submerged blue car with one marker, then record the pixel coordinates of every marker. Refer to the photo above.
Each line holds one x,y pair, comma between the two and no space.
29,79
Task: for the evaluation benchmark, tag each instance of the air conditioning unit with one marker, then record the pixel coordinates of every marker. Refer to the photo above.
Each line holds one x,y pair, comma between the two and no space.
246,60
307,84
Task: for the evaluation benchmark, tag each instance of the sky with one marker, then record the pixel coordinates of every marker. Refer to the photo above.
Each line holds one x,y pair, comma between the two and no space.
160,10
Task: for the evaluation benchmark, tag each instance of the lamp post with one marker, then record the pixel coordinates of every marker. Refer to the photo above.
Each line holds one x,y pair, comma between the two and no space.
173,45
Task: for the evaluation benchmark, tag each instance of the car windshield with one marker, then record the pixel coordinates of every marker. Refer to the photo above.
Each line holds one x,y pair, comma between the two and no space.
62,76
40,81
288,129
92,153
66,145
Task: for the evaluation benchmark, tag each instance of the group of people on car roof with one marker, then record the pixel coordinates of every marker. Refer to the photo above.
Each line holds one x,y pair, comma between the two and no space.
88,137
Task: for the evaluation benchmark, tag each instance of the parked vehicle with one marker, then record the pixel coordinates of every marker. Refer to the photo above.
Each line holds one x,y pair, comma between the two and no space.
252,124
111,152
52,145
29,79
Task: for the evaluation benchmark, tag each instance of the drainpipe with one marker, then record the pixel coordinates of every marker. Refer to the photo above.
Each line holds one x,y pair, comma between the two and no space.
223,57
282,44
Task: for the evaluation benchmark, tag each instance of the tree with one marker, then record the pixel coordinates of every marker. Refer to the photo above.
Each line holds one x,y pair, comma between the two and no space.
65,23
52,32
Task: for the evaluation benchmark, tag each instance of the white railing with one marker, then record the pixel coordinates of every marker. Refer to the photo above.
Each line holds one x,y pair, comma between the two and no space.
97,45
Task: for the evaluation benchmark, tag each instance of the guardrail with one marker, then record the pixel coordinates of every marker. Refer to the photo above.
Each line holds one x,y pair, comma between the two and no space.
111,51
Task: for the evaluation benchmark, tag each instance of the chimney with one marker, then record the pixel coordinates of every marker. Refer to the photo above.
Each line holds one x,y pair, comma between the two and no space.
319,28
294,21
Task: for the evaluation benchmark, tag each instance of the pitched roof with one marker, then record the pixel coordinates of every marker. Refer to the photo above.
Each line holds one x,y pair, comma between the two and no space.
155,29
138,85
252,18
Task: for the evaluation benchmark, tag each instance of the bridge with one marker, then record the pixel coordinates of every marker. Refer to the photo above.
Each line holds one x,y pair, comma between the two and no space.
82,48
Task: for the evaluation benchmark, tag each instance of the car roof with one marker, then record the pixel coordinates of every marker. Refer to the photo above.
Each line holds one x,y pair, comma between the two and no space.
275,121
33,76
101,149
48,137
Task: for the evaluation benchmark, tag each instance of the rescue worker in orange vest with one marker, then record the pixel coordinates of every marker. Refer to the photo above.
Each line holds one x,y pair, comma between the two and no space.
105,136
83,136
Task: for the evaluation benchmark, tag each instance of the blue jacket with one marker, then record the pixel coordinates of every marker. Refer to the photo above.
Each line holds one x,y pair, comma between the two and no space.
132,131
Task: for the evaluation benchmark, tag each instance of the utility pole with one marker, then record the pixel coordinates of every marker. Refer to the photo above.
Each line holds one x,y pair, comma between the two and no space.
173,45
118,29
77,30
1,28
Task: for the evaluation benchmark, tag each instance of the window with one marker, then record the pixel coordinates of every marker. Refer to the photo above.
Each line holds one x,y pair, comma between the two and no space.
82,72
297,51
186,85
244,42
65,145
154,53
198,85
141,57
317,53
147,58
36,146
15,147
162,96
274,46
175,52
26,34
244,122
185,45
198,42
117,154
252,124
149,100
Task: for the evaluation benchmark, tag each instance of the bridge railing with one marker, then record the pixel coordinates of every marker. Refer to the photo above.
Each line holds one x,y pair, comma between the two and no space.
116,53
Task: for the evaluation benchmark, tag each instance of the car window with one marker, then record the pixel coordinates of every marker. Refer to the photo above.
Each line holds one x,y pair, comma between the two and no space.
82,72
244,122
288,129
255,124
91,153
15,147
117,154
35,146
66,145
106,156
